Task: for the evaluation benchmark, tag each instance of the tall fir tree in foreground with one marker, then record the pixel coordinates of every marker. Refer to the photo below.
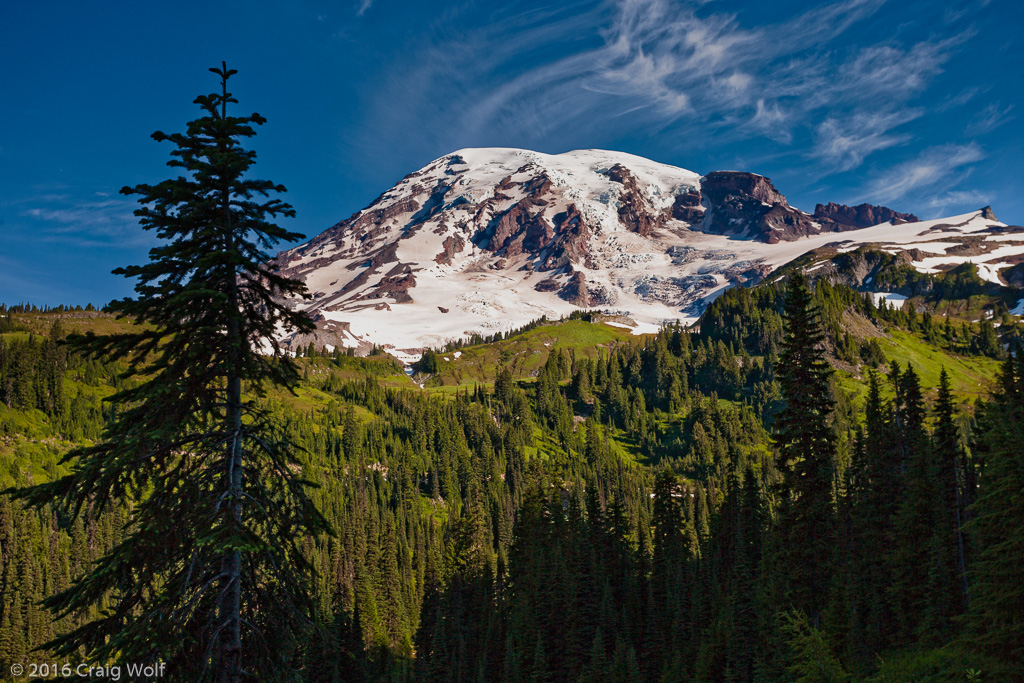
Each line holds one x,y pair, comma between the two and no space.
209,577
806,442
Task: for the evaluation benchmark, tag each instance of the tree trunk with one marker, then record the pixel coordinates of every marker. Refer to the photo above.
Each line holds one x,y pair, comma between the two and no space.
231,562
230,608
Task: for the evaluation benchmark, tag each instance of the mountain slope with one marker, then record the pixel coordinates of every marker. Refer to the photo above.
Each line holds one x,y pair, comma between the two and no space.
485,240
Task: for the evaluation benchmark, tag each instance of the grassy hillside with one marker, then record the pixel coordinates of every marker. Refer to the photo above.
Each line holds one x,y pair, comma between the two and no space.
969,375
524,353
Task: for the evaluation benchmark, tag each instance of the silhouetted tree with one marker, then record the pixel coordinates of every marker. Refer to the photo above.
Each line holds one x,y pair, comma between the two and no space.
210,576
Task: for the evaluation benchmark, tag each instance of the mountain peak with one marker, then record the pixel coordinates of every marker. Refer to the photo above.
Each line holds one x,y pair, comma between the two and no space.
488,239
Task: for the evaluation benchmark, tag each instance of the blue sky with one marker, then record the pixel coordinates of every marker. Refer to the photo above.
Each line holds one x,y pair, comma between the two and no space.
914,104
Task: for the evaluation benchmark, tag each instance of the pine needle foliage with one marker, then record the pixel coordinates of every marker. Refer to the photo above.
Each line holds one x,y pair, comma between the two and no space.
806,443
211,576
995,618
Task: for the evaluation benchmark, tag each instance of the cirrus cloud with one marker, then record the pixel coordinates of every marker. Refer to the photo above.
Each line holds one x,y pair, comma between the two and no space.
935,168
670,65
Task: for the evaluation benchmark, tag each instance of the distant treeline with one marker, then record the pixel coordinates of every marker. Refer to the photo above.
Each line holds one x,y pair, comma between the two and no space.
32,308
476,339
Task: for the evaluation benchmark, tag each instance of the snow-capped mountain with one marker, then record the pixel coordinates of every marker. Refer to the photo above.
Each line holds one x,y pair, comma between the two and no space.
483,240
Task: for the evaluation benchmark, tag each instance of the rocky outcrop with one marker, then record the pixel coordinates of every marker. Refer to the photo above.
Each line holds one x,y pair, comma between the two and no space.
840,217
571,243
575,291
870,269
632,211
783,223
687,207
326,333
580,292
519,228
395,287
1014,275
452,245
547,285
748,205
718,185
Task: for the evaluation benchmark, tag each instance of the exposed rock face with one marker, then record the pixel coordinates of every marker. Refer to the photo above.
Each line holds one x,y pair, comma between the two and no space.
571,243
632,208
718,185
1014,275
328,333
453,244
747,204
866,268
861,216
395,287
576,291
527,227
517,228
687,207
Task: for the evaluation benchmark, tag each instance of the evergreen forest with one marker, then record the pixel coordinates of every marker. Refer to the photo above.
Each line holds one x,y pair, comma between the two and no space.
803,487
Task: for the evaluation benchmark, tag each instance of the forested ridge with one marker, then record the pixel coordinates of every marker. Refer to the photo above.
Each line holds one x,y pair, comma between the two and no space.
685,506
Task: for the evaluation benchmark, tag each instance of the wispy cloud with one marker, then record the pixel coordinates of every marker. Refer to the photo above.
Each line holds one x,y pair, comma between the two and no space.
843,143
960,99
990,118
364,5
672,65
928,176
889,70
769,119
959,199
85,223
673,59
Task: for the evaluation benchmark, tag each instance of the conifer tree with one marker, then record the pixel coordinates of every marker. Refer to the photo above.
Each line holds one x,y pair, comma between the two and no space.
209,576
876,491
947,570
913,525
807,453
668,564
995,618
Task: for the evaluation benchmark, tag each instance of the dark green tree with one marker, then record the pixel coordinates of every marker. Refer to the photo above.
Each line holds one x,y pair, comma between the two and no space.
806,445
947,570
908,592
209,575
995,617
875,489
